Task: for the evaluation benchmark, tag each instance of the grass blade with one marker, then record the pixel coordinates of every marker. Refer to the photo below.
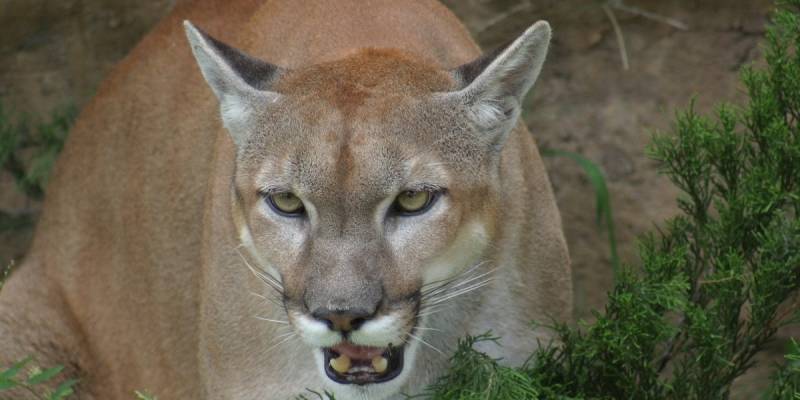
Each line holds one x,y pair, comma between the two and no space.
603,214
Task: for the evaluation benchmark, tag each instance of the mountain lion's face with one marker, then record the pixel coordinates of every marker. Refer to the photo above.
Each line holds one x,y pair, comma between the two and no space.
365,191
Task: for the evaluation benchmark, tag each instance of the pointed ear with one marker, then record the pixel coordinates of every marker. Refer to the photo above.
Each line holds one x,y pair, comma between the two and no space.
240,82
494,85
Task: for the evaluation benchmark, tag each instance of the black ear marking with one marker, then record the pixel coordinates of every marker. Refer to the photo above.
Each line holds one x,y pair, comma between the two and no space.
466,73
494,85
256,73
240,82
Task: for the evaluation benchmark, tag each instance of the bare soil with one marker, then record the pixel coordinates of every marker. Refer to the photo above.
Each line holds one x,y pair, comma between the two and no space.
55,53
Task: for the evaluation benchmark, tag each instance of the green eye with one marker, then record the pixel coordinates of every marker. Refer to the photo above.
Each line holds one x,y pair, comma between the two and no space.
286,203
413,202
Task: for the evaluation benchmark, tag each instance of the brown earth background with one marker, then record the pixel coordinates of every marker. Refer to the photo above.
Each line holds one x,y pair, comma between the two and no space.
55,53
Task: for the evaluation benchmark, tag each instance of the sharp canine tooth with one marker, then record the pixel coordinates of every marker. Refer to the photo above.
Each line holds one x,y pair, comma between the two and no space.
380,364
341,364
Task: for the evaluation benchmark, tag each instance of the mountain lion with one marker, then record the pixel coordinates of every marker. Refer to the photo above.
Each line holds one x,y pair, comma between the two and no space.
353,194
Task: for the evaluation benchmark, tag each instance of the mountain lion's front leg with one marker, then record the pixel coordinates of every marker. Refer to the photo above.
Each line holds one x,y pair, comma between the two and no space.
35,323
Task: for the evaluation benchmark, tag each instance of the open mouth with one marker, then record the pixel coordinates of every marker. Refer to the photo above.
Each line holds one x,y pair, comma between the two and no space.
348,363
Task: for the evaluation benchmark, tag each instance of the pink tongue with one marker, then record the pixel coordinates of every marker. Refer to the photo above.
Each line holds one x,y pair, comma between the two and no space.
357,352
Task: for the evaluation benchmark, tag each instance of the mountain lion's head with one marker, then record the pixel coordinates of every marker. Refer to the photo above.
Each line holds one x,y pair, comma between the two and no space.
366,190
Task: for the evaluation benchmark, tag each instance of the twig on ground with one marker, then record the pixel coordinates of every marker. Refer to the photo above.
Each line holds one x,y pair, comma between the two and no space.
620,5
623,51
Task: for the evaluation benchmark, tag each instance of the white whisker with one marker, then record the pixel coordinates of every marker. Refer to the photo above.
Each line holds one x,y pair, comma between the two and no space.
284,334
460,292
428,310
277,321
458,276
422,328
425,343
274,300
456,282
429,313
435,299
425,308
262,275
287,338
457,285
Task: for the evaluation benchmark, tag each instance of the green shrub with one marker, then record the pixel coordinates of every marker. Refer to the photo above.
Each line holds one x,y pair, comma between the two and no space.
28,154
708,294
786,381
35,381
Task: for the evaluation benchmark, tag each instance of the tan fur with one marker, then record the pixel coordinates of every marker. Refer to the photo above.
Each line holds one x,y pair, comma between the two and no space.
134,279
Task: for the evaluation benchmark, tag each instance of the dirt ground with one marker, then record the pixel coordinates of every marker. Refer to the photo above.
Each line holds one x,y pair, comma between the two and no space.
55,53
